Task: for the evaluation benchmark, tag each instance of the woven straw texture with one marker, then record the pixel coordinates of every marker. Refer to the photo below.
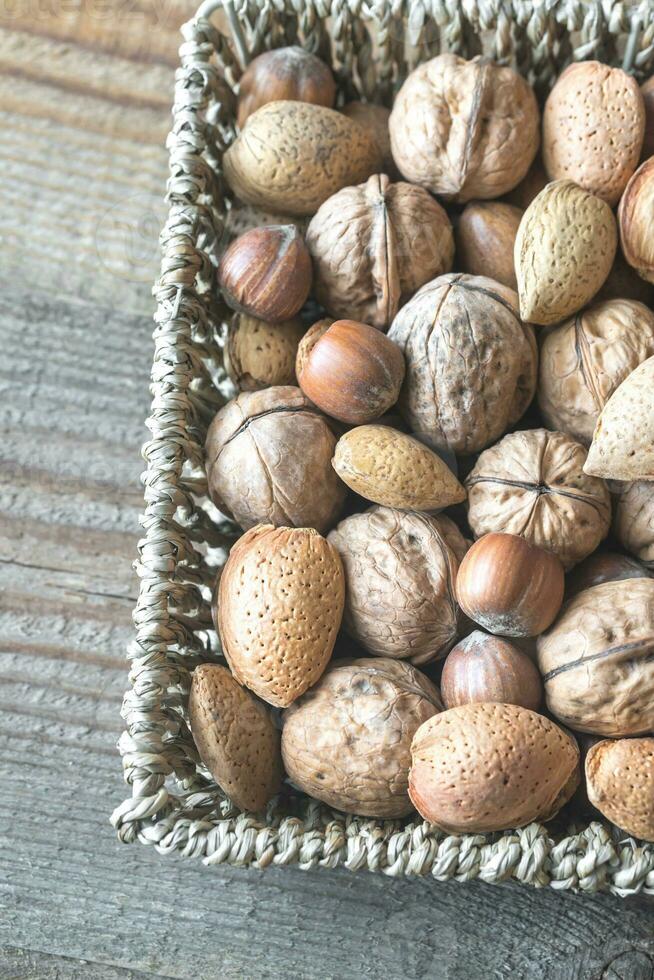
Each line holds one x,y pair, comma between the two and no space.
174,804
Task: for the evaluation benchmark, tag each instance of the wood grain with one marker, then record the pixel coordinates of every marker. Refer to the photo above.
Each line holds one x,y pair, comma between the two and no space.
82,176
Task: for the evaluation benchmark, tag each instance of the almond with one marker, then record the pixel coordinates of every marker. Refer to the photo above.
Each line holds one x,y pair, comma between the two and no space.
620,782
483,766
280,604
259,354
564,251
235,737
393,469
623,441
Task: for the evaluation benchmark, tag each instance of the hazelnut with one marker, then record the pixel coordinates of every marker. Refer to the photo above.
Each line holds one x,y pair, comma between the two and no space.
269,461
485,237
374,245
620,780
510,586
353,372
464,129
593,125
633,523
461,394
267,273
375,118
308,342
400,569
583,361
532,483
488,668
284,73
347,742
603,566
635,221
259,355
596,660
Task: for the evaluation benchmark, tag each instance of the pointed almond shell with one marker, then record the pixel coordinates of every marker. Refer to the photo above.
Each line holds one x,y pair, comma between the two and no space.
395,470
623,442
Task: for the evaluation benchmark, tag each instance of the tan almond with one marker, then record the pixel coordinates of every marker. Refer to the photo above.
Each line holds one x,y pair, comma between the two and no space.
484,766
279,606
620,783
564,251
235,737
395,470
623,441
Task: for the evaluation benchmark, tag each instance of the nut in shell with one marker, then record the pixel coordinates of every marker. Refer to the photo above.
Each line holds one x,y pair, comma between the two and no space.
235,737
603,566
266,272
460,396
464,129
291,156
374,245
597,661
532,483
268,458
483,767
394,469
259,354
585,359
620,781
279,607
623,440
488,668
347,741
284,74
633,523
564,251
375,118
400,570
635,220
593,126
485,239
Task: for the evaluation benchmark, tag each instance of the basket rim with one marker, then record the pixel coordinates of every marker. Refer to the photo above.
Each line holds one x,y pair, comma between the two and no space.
591,859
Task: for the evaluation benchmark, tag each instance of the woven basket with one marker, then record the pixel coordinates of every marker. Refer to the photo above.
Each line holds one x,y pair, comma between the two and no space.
174,803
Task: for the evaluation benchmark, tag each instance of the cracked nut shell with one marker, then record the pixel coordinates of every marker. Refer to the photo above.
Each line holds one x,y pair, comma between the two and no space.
347,742
471,363
284,74
374,245
597,661
464,129
279,607
291,156
261,355
584,360
532,483
593,126
620,782
235,737
268,459
400,570
484,767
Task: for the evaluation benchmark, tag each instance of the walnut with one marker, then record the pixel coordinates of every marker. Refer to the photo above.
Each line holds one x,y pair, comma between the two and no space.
597,660
347,742
584,360
471,363
464,129
374,245
633,523
269,461
400,570
532,483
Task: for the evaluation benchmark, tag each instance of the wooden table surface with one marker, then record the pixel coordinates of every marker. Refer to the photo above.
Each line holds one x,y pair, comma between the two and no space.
85,89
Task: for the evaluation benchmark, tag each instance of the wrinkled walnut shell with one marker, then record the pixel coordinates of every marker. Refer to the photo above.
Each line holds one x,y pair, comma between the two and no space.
374,245
347,742
633,522
464,129
460,395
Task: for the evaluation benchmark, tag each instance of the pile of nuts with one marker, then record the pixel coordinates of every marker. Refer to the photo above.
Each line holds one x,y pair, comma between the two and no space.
442,353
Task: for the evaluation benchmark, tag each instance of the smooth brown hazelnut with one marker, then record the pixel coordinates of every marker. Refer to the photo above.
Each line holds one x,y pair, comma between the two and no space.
488,668
485,238
308,342
510,586
603,566
267,273
635,221
353,372
285,74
